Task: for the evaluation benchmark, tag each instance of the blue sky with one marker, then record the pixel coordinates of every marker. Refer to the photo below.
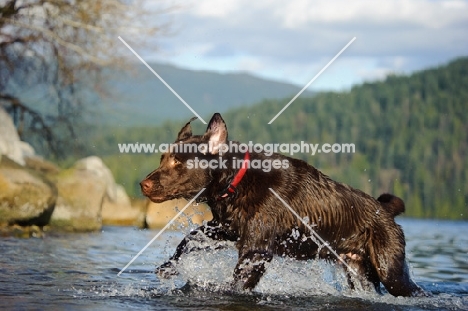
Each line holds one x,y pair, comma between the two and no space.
293,40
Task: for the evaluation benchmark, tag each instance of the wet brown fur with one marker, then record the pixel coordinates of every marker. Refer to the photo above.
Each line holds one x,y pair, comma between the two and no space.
357,226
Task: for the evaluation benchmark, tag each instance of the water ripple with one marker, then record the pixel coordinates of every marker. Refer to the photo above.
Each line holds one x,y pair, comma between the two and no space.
78,271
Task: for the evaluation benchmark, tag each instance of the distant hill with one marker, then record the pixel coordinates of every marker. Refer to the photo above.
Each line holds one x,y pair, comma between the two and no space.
139,98
136,97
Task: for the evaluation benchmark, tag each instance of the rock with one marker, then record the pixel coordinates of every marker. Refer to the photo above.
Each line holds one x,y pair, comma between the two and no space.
34,192
95,165
10,143
79,202
39,164
159,214
26,197
81,193
120,212
22,231
88,197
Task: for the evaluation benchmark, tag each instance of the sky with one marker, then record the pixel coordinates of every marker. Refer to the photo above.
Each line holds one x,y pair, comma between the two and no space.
293,40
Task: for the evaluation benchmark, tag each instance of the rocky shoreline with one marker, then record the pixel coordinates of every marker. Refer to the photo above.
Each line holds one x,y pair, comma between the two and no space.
36,196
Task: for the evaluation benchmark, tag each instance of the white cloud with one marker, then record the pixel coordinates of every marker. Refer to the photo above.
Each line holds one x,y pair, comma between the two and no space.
215,9
296,14
432,14
292,40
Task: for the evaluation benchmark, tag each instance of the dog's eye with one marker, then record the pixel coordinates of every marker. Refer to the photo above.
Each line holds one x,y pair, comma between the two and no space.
176,161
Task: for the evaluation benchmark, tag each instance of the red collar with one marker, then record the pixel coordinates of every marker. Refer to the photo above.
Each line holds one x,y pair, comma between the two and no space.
231,188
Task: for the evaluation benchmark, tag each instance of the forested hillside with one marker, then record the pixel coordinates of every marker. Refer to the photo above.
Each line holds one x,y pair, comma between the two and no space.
410,132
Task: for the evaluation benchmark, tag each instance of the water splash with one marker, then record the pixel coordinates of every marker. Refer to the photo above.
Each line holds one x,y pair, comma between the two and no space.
211,271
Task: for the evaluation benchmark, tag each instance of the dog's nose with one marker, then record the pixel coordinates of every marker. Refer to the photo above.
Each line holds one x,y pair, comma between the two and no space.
146,185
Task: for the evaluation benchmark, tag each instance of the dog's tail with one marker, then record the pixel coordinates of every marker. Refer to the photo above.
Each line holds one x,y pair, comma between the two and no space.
392,203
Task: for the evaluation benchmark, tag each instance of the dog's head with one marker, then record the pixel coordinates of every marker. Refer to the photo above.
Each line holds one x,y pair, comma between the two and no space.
178,176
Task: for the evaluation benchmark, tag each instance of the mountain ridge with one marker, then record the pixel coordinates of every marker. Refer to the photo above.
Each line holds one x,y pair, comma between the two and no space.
141,99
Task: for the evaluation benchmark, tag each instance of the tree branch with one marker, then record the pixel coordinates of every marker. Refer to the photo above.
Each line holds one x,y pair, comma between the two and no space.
60,41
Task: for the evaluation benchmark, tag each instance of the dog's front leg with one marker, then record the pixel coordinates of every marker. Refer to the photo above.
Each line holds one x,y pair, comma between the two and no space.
197,239
255,250
250,268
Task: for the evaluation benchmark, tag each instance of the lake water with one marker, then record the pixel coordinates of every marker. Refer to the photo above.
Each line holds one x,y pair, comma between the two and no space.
79,271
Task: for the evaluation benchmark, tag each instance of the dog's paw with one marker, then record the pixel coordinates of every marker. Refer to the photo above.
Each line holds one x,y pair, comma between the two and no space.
166,270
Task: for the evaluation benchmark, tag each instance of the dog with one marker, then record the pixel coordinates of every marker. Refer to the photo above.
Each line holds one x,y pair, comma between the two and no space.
359,228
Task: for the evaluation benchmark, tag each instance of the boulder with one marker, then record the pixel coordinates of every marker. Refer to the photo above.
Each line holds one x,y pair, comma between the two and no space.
99,170
159,214
81,193
35,193
10,143
27,197
38,164
121,212
18,231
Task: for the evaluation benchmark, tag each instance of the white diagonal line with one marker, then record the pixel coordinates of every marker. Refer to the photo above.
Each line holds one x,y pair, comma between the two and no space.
313,232
160,232
162,80
313,79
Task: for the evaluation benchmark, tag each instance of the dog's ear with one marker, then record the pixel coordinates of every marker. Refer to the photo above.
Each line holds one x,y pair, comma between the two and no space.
186,131
216,133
